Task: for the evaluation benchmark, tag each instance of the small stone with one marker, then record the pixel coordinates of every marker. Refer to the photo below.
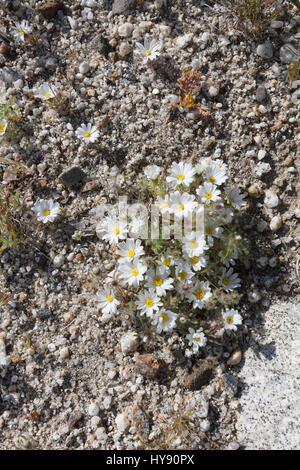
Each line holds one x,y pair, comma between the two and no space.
271,199
129,342
288,54
93,409
183,41
265,50
122,422
74,176
205,425
199,375
288,161
49,9
276,24
125,30
4,49
123,6
261,94
262,169
64,353
253,190
58,261
107,402
233,446
273,262
150,366
235,358
84,68
125,49
254,297
261,154
276,223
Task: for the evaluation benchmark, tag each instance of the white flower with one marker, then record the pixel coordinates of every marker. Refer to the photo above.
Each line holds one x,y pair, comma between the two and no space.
165,320
221,164
107,301
131,249
215,174
225,215
113,230
229,280
163,203
3,126
199,294
46,210
183,271
148,51
138,226
181,173
182,204
236,199
166,260
45,92
231,319
194,244
198,262
132,273
152,171
196,339
148,302
159,280
88,133
212,230
21,29
208,193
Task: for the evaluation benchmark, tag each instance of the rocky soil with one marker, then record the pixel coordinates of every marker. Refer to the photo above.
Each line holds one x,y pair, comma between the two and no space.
68,379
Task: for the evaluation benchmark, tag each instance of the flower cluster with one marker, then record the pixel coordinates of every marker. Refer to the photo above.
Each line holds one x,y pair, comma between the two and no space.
184,282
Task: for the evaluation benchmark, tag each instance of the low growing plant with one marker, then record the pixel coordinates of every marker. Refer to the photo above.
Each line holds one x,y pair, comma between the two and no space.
185,283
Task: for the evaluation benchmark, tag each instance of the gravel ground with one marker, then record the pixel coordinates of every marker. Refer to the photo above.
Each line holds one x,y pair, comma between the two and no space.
68,378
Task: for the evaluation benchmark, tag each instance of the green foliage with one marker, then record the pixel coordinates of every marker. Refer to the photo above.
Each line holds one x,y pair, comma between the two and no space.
254,15
10,234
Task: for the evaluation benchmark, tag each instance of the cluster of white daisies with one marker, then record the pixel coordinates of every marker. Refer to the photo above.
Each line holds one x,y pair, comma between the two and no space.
167,285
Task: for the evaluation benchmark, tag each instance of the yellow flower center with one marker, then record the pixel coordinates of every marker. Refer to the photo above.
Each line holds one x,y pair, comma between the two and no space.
166,262
193,244
147,52
87,134
2,127
199,293
231,199
208,195
47,95
157,281
149,302
180,177
164,205
224,216
226,281
46,212
134,272
194,259
196,338
212,179
229,320
116,230
180,207
109,298
182,274
21,32
130,253
208,230
164,317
